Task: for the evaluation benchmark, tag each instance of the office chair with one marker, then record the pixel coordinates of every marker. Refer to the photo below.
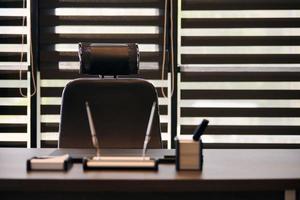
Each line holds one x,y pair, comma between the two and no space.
120,106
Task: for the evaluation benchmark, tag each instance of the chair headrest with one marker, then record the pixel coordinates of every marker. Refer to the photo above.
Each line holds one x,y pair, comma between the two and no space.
109,59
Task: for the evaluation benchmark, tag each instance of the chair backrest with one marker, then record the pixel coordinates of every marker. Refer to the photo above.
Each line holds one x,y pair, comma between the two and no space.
120,108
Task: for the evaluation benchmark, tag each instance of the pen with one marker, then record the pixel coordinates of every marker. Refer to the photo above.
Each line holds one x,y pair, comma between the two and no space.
92,129
147,137
200,130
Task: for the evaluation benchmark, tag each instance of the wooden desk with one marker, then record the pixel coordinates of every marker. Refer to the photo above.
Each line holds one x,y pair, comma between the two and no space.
224,170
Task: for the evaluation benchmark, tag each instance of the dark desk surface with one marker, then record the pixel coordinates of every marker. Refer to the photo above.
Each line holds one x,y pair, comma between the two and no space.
223,170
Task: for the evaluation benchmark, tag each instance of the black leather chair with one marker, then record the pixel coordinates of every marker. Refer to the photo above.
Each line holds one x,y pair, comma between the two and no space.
120,106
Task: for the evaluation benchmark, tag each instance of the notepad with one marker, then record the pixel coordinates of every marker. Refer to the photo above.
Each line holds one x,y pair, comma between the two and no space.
49,163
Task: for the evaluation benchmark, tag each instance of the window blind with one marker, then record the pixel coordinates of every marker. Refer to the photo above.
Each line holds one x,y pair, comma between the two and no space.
240,63
14,109
65,23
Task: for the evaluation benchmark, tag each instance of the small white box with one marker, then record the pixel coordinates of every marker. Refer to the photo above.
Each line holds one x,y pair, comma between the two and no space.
188,153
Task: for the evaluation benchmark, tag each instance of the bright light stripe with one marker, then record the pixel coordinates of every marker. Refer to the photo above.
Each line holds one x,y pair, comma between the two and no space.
240,32
241,14
58,100
68,65
245,103
13,84
63,82
56,118
13,119
50,100
50,118
242,121
159,83
247,139
53,136
13,137
239,67
13,101
50,136
13,48
149,65
241,50
106,29
13,12
162,101
13,65
13,30
65,47
163,118
240,85
165,136
74,47
71,65
54,82
106,12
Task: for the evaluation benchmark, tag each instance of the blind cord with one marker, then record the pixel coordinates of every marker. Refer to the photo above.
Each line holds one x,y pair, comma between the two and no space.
164,47
21,59
172,47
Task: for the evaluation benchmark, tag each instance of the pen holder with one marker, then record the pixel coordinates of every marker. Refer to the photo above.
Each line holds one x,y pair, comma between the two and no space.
188,153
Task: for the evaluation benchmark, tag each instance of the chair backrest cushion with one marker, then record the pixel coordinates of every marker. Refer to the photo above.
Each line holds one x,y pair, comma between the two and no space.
120,110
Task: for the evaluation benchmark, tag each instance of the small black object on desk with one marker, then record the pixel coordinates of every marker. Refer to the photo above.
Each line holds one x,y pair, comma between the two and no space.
200,130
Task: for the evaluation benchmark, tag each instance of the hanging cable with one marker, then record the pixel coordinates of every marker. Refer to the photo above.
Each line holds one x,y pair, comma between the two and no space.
164,46
172,47
22,55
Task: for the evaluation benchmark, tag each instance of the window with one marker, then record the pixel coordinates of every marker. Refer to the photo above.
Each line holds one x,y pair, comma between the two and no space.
14,108
65,23
237,64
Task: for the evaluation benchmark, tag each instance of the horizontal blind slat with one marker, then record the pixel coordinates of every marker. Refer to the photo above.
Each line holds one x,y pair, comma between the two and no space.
241,112
239,4
244,130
